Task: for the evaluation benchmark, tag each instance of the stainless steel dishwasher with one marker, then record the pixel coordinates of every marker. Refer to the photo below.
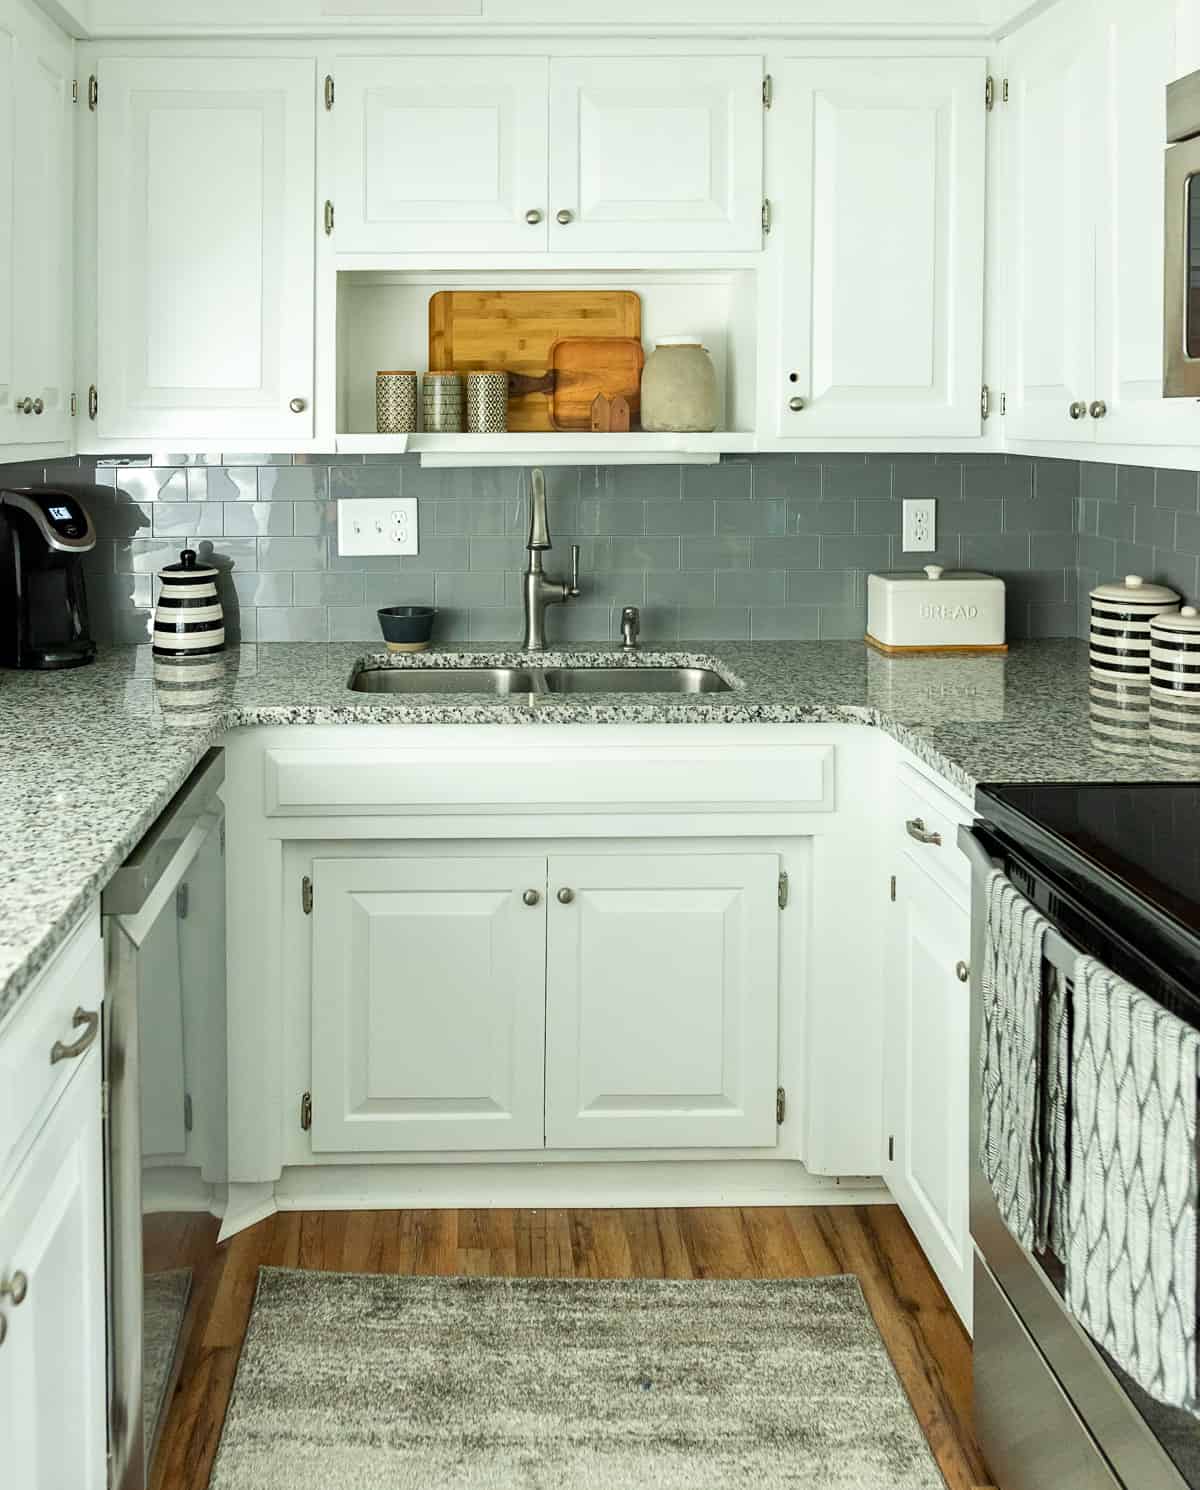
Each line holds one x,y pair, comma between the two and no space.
166,1135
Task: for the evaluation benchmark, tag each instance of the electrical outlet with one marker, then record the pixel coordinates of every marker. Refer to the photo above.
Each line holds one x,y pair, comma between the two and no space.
920,525
377,525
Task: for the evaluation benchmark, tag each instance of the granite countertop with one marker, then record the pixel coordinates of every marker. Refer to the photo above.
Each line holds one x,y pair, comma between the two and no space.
92,756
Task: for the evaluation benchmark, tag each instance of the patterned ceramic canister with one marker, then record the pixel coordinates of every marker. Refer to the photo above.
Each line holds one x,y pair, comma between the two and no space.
487,403
442,403
188,620
1175,684
1119,714
1119,636
395,403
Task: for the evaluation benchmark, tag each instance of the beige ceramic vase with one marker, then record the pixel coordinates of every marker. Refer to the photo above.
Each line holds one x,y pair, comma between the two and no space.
679,388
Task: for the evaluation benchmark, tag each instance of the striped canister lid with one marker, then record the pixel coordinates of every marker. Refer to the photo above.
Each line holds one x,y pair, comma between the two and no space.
188,619
1119,634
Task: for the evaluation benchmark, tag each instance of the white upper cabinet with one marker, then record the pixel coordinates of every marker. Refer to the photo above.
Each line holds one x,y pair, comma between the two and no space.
663,1000
877,180
440,154
206,247
36,242
656,154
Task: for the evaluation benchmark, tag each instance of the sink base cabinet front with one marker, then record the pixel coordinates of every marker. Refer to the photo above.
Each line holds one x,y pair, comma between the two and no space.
519,1002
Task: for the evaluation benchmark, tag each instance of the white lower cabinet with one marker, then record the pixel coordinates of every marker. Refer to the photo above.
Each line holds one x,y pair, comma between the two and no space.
52,1346
517,1002
927,1072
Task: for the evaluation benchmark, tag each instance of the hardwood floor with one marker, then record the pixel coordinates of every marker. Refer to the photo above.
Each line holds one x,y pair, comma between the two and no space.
929,1347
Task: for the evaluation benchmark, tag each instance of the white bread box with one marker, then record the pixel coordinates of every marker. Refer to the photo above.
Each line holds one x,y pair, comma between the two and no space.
935,610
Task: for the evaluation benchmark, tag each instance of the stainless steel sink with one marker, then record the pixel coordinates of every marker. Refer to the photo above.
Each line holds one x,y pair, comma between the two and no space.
493,680
634,680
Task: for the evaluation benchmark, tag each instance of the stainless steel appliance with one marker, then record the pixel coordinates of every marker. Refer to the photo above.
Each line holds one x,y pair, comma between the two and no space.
1116,869
1181,252
166,1137
44,534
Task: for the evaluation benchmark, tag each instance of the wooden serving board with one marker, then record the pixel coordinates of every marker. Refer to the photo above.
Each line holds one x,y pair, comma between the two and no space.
584,366
514,331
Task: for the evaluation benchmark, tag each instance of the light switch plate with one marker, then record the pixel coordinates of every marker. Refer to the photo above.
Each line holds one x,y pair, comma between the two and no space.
377,525
920,525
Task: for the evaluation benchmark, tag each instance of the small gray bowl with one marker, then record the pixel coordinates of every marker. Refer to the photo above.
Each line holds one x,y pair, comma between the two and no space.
407,628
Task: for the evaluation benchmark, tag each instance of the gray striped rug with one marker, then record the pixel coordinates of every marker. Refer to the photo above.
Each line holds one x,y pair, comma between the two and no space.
351,1382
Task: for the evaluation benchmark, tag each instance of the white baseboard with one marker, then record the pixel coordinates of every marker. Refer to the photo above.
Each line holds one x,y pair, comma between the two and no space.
244,1205
350,1187
176,1188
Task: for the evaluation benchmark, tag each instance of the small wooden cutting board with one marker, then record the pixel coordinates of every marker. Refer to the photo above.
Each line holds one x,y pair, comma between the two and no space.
587,366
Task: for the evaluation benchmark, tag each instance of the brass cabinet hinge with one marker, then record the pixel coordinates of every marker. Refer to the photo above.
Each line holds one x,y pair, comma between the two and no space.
784,890
306,1112
93,402
187,1112
992,93
328,219
768,91
74,406
780,1105
104,1102
93,93
74,90
328,91
985,402
306,895
893,887
766,215
182,896
891,1150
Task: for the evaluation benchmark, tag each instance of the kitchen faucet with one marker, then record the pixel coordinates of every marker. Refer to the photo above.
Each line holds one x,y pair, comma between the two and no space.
539,591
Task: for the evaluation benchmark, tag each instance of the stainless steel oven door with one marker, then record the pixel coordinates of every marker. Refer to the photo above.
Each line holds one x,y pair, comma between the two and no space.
1181,261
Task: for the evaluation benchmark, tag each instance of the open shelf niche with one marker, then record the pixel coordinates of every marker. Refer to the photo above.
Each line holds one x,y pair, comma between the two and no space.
383,322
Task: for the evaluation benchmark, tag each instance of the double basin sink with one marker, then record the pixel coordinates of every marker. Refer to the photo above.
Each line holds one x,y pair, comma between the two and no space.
544,681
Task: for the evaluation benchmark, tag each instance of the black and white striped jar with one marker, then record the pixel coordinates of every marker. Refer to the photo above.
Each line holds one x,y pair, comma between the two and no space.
1175,683
1119,635
188,619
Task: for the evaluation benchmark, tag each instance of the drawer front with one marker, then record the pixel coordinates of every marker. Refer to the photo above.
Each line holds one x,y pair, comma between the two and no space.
927,821
682,777
30,1083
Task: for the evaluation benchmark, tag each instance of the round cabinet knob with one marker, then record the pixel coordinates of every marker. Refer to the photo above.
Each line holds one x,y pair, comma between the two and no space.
24,406
531,897
962,971
533,216
15,1288
1098,409
564,217
1077,410
298,405
796,405
565,896
38,406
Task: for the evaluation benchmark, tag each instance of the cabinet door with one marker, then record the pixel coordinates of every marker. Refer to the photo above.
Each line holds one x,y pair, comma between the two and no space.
881,213
428,1012
206,234
656,153
662,1001
1050,182
928,1074
440,154
10,421
52,1361
44,266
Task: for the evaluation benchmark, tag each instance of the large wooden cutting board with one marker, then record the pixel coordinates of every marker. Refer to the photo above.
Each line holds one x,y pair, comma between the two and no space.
513,331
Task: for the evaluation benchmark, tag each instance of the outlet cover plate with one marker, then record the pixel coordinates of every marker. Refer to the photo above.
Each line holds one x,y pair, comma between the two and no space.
377,525
920,525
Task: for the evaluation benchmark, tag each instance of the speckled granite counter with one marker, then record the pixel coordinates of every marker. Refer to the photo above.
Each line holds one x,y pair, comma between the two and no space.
91,757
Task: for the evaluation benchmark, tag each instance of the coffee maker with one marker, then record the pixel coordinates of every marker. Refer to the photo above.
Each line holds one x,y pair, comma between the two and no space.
44,533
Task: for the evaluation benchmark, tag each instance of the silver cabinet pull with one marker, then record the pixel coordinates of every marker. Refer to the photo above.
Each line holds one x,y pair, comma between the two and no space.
24,406
564,217
962,971
15,1288
1098,408
915,828
297,405
1078,410
38,406
531,897
565,896
533,216
797,405
61,1052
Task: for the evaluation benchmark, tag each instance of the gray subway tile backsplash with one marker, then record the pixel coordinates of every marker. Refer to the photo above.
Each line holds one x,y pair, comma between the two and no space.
770,547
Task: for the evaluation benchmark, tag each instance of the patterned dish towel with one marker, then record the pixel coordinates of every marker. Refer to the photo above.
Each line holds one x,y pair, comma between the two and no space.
1131,1243
1010,1056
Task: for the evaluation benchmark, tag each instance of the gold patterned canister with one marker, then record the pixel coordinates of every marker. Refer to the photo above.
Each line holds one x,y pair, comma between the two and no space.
487,403
1119,634
442,403
1175,684
395,403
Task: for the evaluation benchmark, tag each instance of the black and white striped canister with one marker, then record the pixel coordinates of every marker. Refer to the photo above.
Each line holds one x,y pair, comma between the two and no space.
1119,635
1175,684
188,619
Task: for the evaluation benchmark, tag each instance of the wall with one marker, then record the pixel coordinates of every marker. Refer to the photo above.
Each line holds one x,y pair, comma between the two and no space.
768,547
